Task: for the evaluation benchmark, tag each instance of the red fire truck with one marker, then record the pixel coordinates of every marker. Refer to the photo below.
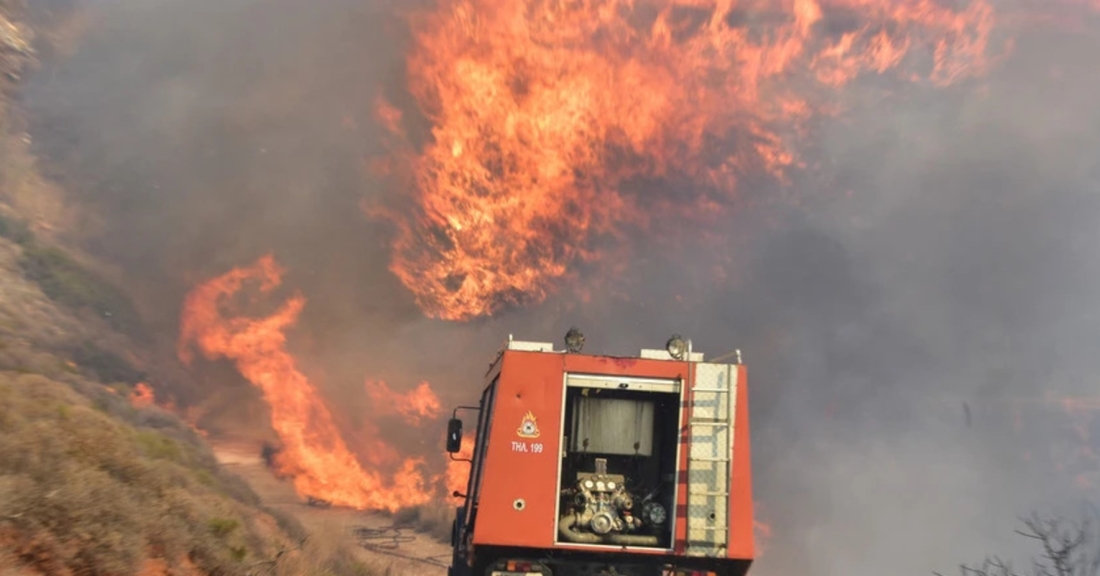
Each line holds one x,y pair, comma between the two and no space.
601,465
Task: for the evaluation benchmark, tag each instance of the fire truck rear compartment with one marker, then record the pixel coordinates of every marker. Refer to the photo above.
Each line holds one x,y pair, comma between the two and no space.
618,467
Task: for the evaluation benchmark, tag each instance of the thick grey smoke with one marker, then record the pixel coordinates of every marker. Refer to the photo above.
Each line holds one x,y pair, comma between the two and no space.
205,134
891,334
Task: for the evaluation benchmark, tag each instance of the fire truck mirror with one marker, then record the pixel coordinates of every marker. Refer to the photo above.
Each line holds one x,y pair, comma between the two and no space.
454,435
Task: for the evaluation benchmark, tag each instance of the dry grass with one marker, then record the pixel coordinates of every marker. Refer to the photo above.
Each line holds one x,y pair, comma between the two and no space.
86,492
81,491
434,519
65,281
326,554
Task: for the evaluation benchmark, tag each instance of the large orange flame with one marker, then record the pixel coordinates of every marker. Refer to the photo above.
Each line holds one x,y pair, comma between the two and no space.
544,115
313,452
458,468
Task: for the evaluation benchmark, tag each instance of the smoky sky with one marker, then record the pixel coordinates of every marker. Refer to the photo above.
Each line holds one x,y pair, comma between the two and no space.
946,253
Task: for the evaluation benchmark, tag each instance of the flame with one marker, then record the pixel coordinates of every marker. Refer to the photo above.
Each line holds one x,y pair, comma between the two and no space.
413,406
313,453
458,470
1073,451
762,532
544,116
1081,413
142,396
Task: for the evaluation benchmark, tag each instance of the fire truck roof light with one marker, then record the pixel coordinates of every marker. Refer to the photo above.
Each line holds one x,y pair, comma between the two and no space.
676,347
574,340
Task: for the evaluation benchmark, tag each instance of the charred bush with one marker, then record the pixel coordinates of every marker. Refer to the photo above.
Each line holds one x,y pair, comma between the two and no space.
269,453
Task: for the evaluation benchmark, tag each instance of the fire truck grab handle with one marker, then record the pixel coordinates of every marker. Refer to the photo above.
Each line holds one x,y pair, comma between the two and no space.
454,413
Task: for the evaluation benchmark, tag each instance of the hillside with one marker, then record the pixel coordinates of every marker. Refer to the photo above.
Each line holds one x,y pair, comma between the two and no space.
94,479
94,482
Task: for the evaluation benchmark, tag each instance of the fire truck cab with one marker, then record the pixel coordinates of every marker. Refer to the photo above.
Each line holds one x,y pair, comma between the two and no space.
600,465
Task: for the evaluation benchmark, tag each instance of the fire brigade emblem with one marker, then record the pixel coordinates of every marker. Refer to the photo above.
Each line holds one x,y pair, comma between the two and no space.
528,428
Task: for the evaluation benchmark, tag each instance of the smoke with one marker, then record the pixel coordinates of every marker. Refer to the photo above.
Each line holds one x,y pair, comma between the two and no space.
945,254
962,268
199,136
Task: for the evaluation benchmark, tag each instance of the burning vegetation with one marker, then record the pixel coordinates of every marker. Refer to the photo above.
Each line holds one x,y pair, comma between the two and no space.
545,116
95,476
313,451
543,119
547,125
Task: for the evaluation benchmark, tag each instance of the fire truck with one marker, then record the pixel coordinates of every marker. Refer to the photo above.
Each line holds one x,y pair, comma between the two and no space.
605,465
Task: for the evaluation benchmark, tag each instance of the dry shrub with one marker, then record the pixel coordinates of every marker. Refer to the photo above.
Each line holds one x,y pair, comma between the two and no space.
85,492
82,520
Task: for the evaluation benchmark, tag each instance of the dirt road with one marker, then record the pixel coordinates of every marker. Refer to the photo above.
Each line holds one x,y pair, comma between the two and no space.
399,551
